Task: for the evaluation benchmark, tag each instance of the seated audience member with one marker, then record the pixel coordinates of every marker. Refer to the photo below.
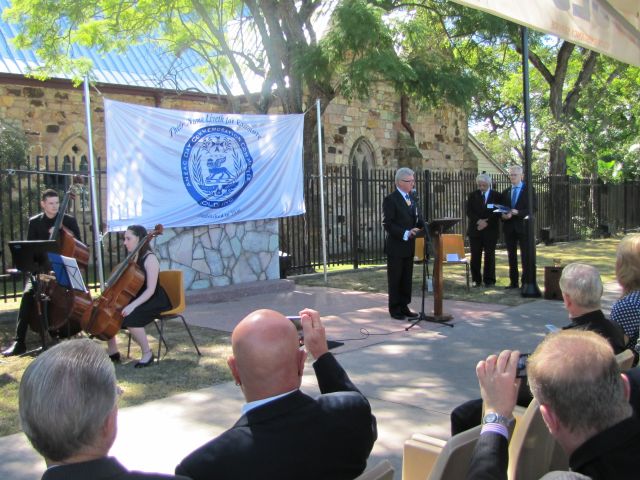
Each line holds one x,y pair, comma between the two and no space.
584,401
284,433
581,291
68,410
626,311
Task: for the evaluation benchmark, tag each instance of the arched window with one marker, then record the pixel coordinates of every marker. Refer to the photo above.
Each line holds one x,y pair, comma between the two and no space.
363,158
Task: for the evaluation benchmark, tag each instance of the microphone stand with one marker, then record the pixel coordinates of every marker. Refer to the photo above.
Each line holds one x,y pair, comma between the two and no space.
422,316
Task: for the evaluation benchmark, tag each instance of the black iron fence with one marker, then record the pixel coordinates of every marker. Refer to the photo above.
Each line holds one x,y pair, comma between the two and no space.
353,199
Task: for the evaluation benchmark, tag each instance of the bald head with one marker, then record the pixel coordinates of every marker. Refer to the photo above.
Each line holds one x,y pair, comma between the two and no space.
267,359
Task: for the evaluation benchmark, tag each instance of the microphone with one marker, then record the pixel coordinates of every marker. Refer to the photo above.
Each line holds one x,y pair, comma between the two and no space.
414,195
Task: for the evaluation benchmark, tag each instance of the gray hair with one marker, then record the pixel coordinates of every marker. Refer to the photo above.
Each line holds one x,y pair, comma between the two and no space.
66,395
575,374
515,169
582,283
404,172
484,177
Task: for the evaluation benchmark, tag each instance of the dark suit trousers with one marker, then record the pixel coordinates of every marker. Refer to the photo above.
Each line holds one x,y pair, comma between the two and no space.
484,242
27,305
399,277
512,239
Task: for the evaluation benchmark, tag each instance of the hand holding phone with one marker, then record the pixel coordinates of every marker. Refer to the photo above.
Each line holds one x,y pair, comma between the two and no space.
521,369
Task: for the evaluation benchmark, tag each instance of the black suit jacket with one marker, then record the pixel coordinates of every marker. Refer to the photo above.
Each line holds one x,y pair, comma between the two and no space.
516,223
295,436
106,468
398,217
596,322
490,458
40,224
476,209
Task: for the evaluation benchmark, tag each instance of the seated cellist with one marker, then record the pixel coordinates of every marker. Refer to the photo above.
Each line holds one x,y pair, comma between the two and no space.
40,228
150,301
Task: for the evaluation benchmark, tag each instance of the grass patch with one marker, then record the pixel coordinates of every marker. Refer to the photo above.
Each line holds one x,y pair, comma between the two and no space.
181,370
600,253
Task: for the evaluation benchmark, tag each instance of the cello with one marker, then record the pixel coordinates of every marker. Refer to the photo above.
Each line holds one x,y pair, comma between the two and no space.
104,319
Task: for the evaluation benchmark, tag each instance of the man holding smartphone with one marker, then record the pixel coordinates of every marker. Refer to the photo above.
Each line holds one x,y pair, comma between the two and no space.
284,433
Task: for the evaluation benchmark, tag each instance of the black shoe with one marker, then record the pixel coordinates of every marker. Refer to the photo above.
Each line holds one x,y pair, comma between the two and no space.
511,287
397,316
477,284
17,348
115,357
409,313
489,285
144,364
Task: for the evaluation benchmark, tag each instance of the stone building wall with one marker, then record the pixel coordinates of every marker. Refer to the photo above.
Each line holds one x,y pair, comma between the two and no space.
440,134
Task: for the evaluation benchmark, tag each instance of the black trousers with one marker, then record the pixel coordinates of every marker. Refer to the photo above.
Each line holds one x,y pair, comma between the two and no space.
512,240
483,243
399,277
27,304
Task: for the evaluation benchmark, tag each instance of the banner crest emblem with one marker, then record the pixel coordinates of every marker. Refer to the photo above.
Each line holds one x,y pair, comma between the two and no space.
216,166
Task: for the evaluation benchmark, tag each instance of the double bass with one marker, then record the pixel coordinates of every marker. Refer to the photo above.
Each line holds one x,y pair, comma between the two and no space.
64,304
104,319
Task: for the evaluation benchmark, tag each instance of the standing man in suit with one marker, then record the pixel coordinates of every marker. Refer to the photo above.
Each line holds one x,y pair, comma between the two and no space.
514,226
69,411
40,228
402,222
284,433
483,227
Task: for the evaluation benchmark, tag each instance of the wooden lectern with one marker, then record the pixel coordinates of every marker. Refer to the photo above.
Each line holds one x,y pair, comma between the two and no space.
436,228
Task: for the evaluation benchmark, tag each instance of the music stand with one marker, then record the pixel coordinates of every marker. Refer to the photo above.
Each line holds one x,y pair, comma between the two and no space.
31,256
436,228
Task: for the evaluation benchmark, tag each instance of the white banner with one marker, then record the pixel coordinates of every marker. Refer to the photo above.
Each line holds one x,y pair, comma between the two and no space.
594,24
184,169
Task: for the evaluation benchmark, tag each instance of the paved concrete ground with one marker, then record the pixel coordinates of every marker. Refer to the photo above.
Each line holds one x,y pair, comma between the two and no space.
413,379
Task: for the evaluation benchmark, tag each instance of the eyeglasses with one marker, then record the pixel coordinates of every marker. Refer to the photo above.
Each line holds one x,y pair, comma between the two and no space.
408,181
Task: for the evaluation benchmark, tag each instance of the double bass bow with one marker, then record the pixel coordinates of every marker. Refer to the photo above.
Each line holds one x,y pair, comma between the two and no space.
104,319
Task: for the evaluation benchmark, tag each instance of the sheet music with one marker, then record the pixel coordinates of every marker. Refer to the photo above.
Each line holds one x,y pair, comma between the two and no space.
67,271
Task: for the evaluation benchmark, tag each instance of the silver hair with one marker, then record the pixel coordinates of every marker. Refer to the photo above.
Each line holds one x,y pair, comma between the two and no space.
66,395
583,284
484,177
515,169
404,172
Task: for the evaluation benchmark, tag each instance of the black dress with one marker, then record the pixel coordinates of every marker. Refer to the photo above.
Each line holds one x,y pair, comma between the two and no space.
145,313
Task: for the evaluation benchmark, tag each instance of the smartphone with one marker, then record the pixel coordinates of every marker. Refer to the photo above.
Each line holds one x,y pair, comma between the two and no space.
521,370
551,328
295,319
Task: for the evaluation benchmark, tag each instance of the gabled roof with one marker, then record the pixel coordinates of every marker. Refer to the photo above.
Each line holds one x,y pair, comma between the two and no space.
140,66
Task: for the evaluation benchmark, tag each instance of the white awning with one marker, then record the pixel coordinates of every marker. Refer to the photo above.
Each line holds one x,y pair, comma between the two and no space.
611,27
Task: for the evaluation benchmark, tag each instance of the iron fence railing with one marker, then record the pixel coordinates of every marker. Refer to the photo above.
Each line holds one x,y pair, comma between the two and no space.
353,199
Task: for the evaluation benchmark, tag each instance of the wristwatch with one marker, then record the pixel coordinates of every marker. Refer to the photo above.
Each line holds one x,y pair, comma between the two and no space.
493,417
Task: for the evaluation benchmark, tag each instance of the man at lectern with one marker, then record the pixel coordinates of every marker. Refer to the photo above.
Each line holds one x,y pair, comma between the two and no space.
40,227
402,222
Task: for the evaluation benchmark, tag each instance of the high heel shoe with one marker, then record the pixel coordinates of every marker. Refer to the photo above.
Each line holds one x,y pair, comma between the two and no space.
142,364
115,357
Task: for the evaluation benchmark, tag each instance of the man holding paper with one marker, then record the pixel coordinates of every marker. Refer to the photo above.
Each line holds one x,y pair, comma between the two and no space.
482,230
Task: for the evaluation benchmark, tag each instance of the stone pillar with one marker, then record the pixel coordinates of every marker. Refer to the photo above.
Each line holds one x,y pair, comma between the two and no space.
221,255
